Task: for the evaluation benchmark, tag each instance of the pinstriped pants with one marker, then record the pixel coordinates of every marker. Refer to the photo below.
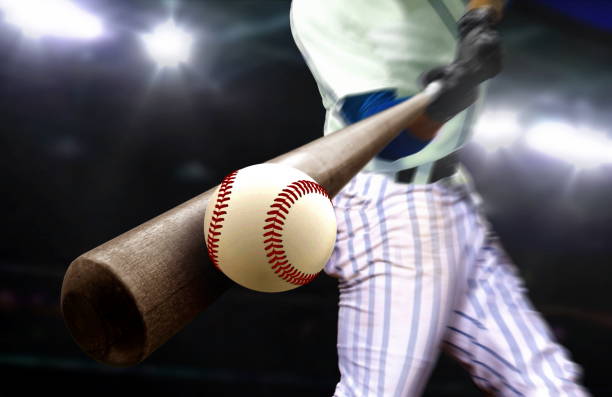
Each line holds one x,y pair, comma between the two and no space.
420,270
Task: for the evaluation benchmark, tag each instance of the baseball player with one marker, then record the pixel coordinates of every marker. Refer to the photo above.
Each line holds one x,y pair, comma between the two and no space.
419,267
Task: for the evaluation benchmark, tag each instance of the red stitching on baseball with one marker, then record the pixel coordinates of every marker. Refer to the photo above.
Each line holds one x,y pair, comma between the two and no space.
295,196
280,206
282,203
288,197
276,213
216,221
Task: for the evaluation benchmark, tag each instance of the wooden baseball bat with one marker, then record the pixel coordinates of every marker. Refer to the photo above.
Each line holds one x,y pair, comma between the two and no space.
125,298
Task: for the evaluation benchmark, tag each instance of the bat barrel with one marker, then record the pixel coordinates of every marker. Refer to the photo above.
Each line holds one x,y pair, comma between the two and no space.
125,298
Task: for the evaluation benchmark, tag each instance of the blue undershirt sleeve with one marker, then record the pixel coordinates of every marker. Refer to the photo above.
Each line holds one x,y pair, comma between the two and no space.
359,107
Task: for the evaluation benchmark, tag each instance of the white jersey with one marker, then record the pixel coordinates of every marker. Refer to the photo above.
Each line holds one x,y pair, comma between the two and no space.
359,46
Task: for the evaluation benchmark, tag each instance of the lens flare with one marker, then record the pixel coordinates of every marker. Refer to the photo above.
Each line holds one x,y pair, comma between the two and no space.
168,45
58,18
585,148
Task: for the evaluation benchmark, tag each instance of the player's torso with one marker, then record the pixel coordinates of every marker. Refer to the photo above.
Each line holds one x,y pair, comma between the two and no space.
356,46
389,42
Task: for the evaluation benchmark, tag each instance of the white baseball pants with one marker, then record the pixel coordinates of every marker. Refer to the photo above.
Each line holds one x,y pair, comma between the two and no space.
419,271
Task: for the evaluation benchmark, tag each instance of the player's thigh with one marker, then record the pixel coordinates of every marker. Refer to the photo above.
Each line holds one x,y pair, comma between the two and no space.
398,281
387,340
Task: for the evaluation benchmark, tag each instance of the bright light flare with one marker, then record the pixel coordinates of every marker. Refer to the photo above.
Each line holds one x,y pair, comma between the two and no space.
582,147
168,45
59,18
496,129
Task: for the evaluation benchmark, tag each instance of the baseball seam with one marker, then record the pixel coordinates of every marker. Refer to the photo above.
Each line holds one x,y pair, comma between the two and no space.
216,220
273,230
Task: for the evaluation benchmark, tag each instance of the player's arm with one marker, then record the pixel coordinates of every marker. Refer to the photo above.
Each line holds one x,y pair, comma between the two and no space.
361,106
478,58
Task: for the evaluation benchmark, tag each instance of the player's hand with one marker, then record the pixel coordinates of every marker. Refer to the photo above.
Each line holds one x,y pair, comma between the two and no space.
478,58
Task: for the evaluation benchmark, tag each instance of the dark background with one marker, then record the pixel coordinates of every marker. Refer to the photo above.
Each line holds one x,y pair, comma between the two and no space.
95,139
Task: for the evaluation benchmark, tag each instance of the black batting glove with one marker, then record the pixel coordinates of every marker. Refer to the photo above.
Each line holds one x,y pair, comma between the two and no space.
478,58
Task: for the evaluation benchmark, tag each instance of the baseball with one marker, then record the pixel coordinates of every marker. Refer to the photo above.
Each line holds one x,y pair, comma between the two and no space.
270,227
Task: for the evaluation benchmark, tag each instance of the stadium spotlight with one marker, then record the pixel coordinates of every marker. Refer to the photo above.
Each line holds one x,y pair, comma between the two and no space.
582,147
496,129
168,45
58,18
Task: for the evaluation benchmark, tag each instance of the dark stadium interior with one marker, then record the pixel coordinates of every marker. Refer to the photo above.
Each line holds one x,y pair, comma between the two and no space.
96,139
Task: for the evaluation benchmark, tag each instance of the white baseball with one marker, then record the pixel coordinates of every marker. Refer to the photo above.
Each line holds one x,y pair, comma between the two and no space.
270,227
